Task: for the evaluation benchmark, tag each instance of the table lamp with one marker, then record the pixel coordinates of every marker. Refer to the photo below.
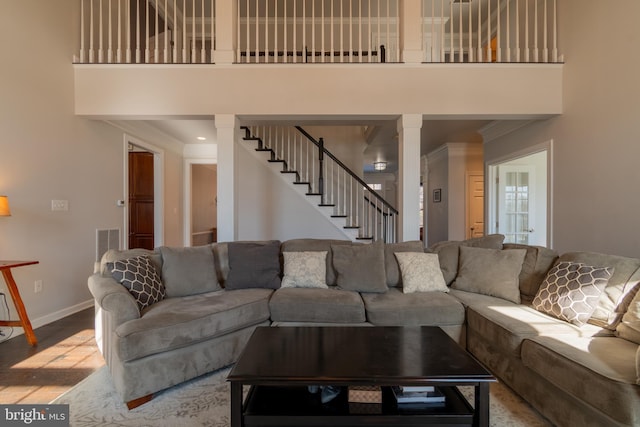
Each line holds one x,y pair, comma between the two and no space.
4,206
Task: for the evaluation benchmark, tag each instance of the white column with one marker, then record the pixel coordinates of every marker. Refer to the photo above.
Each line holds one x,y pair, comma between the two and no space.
226,31
411,31
409,126
227,128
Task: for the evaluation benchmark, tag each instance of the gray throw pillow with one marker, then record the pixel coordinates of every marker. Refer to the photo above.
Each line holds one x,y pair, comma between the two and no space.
360,268
491,272
253,265
188,271
448,252
141,279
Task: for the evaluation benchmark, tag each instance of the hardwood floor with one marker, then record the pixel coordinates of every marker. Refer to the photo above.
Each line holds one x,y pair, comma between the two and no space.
66,354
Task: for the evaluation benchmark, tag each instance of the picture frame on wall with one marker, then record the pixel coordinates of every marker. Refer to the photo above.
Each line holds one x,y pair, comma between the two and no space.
437,195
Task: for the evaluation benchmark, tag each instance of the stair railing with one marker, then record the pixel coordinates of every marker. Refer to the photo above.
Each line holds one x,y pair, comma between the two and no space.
326,176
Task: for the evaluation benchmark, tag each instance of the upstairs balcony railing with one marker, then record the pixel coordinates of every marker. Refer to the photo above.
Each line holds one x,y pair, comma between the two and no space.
317,31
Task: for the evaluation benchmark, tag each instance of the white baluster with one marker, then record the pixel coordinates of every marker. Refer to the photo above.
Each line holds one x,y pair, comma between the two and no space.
554,52
489,52
441,30
508,51
295,31
128,50
460,52
498,39
313,30
266,31
91,45
388,45
184,31
471,51
545,48
322,22
194,57
175,31
350,31
110,33
479,32
100,38
304,30
147,35
82,36
452,52
526,31
517,30
156,53
203,47
535,32
119,49
360,31
276,58
212,34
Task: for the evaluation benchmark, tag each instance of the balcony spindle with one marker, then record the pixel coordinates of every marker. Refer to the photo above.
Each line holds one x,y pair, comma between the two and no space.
203,44
147,35
498,39
460,49
535,32
452,52
480,32
156,47
489,51
545,48
554,51
526,31
518,51
508,48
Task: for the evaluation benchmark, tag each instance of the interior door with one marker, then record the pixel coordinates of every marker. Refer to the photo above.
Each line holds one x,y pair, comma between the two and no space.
141,200
516,193
475,206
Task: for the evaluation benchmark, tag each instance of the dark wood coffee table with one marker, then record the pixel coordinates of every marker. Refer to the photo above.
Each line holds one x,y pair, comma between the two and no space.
279,363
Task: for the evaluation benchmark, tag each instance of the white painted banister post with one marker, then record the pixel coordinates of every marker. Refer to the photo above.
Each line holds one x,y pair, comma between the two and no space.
411,31
409,126
227,128
225,31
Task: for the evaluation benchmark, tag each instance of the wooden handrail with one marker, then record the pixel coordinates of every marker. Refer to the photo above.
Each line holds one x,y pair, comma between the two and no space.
346,168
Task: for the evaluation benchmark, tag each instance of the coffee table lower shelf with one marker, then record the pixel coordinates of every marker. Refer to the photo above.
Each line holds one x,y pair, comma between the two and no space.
295,406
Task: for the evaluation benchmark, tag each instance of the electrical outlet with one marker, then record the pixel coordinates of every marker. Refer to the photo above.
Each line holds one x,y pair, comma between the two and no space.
38,286
59,205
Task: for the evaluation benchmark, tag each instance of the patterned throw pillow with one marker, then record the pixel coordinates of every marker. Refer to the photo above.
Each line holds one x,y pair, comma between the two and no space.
305,269
140,278
571,291
420,272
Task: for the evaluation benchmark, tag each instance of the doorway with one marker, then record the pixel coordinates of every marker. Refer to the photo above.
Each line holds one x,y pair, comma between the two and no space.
143,216
200,201
475,205
519,205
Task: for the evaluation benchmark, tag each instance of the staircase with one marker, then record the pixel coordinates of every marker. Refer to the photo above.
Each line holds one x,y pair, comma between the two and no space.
339,194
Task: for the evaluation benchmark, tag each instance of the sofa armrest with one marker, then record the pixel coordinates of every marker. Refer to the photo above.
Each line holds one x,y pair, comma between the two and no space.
113,298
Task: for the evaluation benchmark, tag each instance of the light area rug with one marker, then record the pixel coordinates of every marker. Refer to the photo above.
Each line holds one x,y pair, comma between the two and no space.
204,401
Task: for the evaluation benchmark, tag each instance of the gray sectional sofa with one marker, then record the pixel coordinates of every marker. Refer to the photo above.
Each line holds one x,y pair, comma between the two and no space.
582,371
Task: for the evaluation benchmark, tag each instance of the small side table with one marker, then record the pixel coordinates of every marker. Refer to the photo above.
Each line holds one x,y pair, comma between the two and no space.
24,323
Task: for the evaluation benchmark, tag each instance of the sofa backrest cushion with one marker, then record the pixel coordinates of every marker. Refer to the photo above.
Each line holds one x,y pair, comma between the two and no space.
537,263
188,271
360,268
448,252
493,272
254,265
317,245
394,276
613,302
113,255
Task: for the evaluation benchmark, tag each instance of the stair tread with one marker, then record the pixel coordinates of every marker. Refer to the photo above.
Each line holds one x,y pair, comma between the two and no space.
301,183
327,205
264,149
351,227
275,161
287,171
338,216
364,238
314,194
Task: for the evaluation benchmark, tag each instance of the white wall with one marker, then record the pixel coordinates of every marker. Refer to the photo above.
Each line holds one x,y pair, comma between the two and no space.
47,152
269,209
596,149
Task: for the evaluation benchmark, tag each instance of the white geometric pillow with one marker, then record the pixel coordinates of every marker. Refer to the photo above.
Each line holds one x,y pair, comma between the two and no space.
141,279
420,272
306,269
571,291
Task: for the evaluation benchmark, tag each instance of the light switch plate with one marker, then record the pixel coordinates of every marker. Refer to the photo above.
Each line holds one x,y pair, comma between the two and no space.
59,205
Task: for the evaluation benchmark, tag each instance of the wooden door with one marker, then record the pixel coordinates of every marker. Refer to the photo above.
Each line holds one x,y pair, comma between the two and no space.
141,200
475,206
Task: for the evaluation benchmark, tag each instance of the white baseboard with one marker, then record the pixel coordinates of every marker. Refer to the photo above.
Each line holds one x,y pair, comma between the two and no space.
50,318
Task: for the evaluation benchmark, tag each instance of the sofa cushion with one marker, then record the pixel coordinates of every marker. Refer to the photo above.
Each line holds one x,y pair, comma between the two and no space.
316,305
492,272
629,327
571,291
141,279
188,271
420,272
536,264
395,308
253,265
612,303
391,267
305,269
506,324
179,322
360,268
298,245
599,371
448,252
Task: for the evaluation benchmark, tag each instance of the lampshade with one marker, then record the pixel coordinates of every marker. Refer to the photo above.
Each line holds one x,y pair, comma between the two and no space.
380,166
4,206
